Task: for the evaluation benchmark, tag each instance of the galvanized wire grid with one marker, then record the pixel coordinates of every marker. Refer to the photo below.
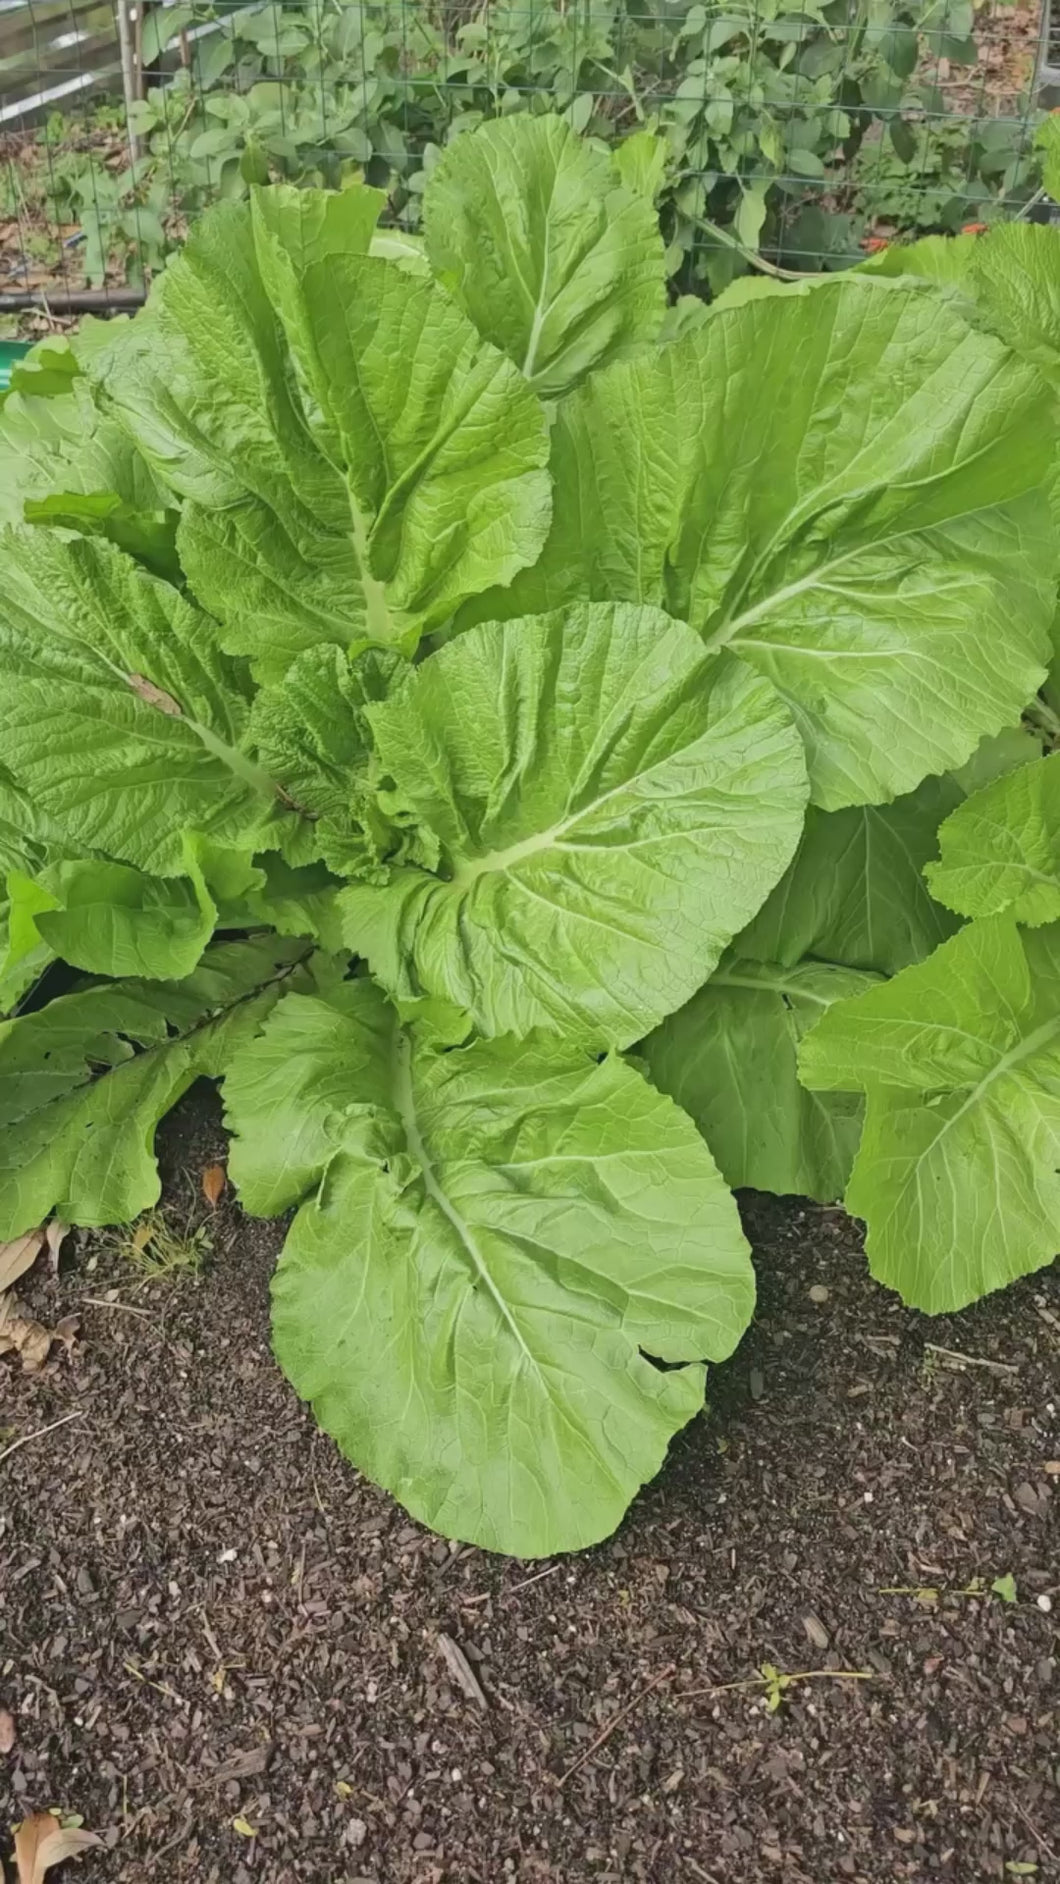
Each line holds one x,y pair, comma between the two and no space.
809,131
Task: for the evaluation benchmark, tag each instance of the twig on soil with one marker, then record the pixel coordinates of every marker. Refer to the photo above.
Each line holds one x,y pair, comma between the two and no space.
126,1308
503,1595
970,1360
536,1578
180,1838
1034,1832
39,1434
160,1687
616,1720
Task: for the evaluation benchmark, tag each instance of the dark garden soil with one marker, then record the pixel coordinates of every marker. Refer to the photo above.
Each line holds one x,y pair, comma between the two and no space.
207,1617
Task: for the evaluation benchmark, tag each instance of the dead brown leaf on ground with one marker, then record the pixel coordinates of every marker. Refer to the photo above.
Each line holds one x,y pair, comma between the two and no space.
213,1183
43,1841
8,1731
21,1334
18,1256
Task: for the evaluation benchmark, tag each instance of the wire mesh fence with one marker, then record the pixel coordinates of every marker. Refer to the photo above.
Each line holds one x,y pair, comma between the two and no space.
774,133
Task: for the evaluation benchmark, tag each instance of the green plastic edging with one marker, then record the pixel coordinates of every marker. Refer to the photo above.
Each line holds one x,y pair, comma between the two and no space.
11,352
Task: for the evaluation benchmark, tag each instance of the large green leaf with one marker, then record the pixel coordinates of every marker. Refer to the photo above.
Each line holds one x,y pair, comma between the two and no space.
362,489
612,803
958,1171
729,1057
554,259
1015,276
871,531
62,442
1010,277
107,919
1000,851
494,1240
85,1080
119,719
854,892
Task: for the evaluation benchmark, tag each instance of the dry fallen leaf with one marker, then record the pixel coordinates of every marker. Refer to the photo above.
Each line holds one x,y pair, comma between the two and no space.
155,696
8,1732
21,1335
42,1841
213,1183
56,1233
244,1828
17,1257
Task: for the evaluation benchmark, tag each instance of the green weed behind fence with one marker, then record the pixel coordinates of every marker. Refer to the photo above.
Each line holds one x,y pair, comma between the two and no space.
800,133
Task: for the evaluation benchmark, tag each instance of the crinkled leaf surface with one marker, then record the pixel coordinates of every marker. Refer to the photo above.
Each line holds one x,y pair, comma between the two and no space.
310,733
1015,276
849,489
1011,277
612,803
108,919
150,537
66,464
545,248
51,444
119,719
354,460
958,1171
1000,851
729,1057
85,1080
854,892
495,1239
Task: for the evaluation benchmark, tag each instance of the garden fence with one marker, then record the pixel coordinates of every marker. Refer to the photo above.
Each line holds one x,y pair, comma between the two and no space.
787,135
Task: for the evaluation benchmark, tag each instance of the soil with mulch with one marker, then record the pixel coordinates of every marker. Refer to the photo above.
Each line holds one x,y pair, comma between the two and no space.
212,1627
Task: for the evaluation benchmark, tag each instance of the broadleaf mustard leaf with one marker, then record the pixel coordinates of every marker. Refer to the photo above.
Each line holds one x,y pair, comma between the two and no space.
122,723
536,235
1000,850
850,490
729,1057
958,1171
612,803
495,1238
85,1080
352,459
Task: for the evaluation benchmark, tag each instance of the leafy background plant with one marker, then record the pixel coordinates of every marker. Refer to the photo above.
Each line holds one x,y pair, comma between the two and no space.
797,130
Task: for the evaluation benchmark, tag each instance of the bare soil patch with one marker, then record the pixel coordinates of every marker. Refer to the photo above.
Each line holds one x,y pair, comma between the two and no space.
211,1626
